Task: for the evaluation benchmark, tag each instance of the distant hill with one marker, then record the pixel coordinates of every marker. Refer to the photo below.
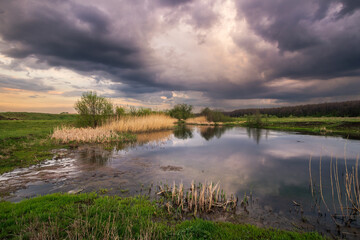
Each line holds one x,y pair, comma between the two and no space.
35,116
335,109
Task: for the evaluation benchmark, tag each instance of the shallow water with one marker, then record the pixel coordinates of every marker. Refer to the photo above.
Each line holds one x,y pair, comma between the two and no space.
272,166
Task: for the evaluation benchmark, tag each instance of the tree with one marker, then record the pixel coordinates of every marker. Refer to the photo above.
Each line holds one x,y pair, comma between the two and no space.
181,111
93,109
119,111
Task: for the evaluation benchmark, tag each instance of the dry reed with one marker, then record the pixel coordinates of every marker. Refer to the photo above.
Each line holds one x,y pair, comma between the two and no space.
199,121
347,189
89,135
135,124
110,131
198,198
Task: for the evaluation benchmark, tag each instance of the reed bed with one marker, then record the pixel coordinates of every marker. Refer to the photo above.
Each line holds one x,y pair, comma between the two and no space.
199,121
114,130
345,192
89,135
136,124
201,198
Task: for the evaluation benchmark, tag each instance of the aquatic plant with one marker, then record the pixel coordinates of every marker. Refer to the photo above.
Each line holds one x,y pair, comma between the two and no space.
345,193
201,198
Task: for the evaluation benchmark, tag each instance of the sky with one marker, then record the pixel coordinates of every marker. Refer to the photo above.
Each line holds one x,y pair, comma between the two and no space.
223,54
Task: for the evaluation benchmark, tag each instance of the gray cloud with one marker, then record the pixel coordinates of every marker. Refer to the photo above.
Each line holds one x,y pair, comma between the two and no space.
35,84
309,41
325,44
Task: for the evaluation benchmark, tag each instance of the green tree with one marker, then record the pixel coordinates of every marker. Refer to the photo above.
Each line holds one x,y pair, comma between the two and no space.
181,111
93,109
119,111
214,115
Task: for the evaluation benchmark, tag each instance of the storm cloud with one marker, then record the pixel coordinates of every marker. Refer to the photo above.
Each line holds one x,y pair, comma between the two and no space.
211,51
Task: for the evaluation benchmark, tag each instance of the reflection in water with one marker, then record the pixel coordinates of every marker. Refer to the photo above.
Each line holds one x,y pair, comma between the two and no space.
257,133
94,154
183,132
158,136
274,167
210,132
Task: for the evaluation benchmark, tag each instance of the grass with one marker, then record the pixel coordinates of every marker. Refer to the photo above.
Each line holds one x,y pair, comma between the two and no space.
198,121
26,142
37,116
89,216
136,124
115,130
89,135
344,126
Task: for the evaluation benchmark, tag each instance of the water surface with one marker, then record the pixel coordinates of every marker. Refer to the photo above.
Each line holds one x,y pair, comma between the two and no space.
272,166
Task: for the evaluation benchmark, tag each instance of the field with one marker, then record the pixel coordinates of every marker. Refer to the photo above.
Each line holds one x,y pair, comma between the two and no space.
88,216
344,126
27,142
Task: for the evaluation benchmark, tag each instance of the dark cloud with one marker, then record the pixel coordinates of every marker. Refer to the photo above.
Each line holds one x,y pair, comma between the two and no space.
66,31
309,41
173,3
35,85
315,39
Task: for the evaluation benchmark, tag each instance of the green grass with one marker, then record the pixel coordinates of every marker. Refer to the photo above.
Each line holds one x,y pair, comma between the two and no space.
26,142
345,126
89,216
37,116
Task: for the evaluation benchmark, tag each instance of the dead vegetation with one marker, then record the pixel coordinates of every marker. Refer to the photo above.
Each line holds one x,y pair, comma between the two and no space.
344,208
201,198
114,130
136,124
89,135
199,121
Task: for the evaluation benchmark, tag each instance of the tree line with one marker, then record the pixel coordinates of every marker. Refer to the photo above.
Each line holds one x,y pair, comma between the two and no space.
334,109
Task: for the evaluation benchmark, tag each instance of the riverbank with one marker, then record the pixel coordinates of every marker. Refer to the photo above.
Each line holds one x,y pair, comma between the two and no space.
60,216
332,126
344,126
27,142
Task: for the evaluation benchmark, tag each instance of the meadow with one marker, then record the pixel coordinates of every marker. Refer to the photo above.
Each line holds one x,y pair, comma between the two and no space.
89,216
344,126
30,139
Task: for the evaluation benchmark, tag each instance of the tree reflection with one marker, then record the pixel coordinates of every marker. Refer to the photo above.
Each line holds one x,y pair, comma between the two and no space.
257,133
211,132
183,132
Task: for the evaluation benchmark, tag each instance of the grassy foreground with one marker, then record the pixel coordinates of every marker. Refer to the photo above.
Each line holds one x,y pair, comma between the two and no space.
88,216
26,142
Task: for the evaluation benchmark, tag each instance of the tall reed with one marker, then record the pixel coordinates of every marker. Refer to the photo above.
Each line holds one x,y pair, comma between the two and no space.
136,124
198,198
198,121
111,130
345,192
89,135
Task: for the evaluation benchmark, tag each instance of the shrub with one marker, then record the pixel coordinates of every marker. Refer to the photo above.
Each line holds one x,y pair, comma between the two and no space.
254,120
181,111
93,109
214,115
119,111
